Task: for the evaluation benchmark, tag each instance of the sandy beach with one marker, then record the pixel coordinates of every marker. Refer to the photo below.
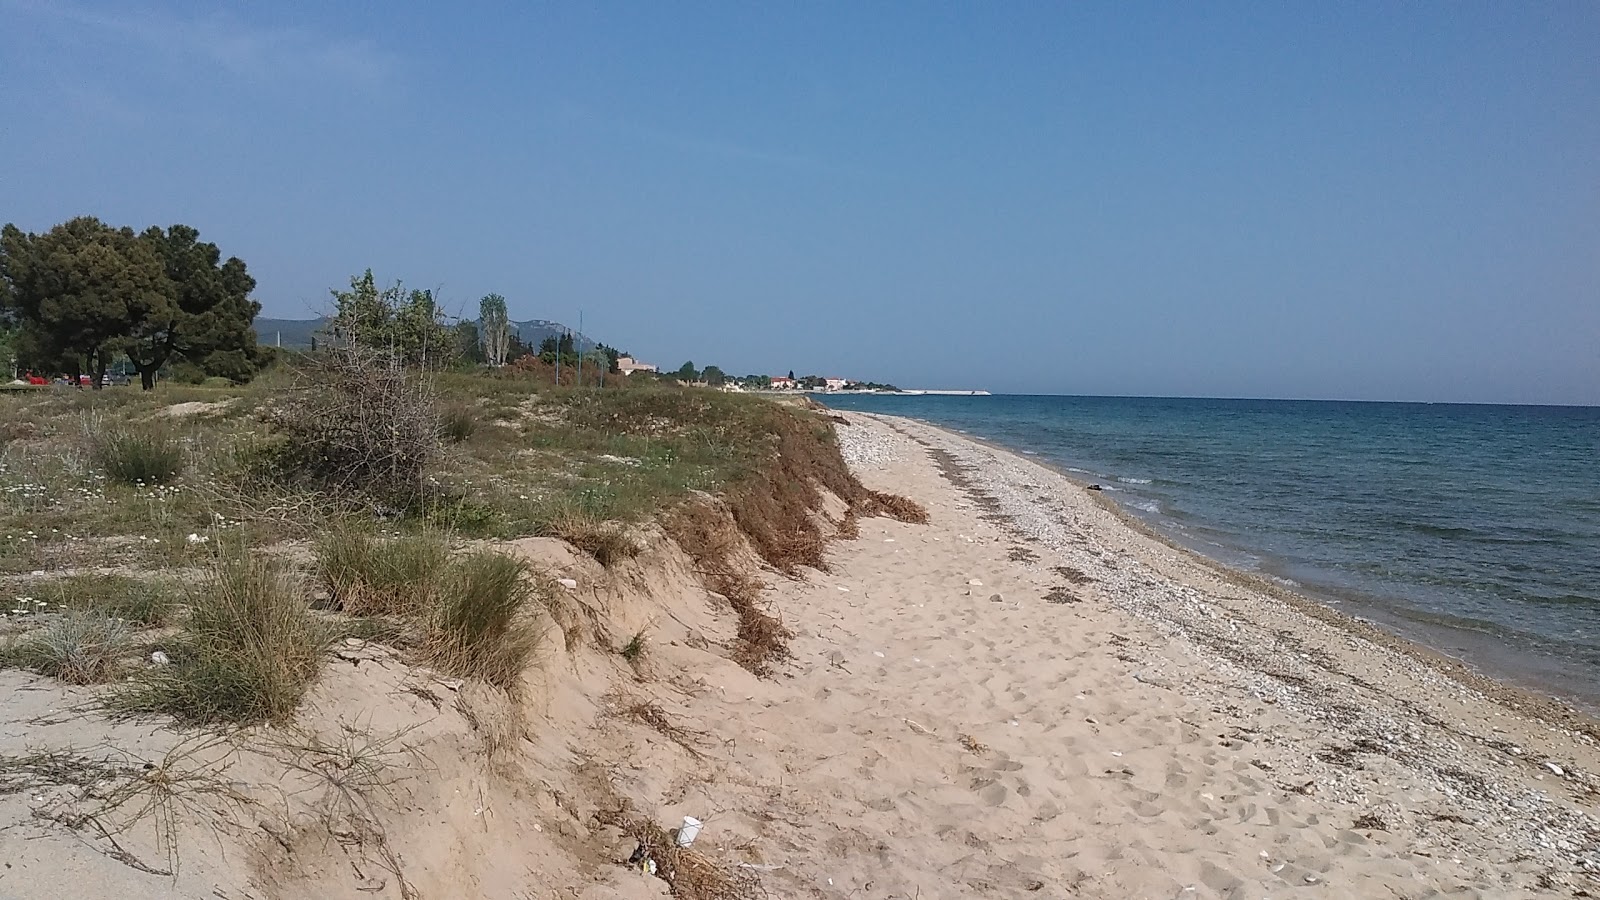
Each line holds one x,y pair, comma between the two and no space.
1024,697
1199,732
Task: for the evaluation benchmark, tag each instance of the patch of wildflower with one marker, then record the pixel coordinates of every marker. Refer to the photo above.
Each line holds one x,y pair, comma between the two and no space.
160,492
25,607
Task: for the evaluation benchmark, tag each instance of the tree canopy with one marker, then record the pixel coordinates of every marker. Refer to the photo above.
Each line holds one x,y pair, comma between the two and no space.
494,329
407,324
84,291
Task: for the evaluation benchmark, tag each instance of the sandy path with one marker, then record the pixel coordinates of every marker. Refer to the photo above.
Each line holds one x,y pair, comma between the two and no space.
1156,732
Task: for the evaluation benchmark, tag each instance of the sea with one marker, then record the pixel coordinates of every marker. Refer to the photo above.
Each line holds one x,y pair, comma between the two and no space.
1472,529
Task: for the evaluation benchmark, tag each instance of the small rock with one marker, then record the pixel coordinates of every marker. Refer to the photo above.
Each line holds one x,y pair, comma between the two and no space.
1094,487
570,584
1555,768
1312,879
996,598
975,583
160,658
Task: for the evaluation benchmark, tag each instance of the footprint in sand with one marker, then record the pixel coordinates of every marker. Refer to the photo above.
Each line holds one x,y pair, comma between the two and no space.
993,795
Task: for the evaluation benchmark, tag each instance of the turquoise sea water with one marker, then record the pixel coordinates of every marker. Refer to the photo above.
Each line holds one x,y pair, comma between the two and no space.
1474,529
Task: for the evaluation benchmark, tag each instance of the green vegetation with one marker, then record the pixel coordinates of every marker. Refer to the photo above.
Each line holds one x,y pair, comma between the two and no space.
247,653
477,627
494,329
78,646
84,293
634,649
406,325
370,575
133,454
140,602
355,448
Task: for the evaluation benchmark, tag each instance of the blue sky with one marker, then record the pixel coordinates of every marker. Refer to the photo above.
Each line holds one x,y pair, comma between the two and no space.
1370,201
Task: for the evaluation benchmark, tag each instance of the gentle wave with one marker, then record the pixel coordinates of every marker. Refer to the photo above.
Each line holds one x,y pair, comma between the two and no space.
1126,480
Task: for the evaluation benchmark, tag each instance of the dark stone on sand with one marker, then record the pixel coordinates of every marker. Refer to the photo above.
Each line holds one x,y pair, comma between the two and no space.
1094,487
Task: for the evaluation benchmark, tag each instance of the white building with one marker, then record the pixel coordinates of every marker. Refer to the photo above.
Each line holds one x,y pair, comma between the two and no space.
627,365
834,384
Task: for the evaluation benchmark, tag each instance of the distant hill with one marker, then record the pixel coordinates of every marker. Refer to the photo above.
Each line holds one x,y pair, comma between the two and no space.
296,334
292,333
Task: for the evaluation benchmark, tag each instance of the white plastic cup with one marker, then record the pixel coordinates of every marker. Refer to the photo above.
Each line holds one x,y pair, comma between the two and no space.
689,831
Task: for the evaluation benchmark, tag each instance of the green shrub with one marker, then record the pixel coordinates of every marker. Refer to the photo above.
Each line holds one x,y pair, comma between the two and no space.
633,650
248,652
133,455
476,628
369,575
462,515
78,647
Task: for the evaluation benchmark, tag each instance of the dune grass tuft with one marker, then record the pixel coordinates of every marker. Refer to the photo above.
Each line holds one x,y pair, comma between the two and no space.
135,455
477,627
247,653
458,422
78,647
372,575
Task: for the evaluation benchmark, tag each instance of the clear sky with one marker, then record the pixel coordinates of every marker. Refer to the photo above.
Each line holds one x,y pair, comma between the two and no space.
1375,201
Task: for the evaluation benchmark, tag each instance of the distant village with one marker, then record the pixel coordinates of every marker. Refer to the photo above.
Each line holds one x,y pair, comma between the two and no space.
714,377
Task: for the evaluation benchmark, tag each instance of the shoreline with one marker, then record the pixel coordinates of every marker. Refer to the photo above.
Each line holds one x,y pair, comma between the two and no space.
1370,737
1577,711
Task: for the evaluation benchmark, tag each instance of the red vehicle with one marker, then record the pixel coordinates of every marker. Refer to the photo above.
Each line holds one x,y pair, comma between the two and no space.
36,379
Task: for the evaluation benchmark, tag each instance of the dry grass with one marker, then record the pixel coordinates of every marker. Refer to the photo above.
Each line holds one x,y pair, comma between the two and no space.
356,421
689,874
186,785
479,626
458,422
651,715
608,542
355,768
708,534
894,506
247,653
